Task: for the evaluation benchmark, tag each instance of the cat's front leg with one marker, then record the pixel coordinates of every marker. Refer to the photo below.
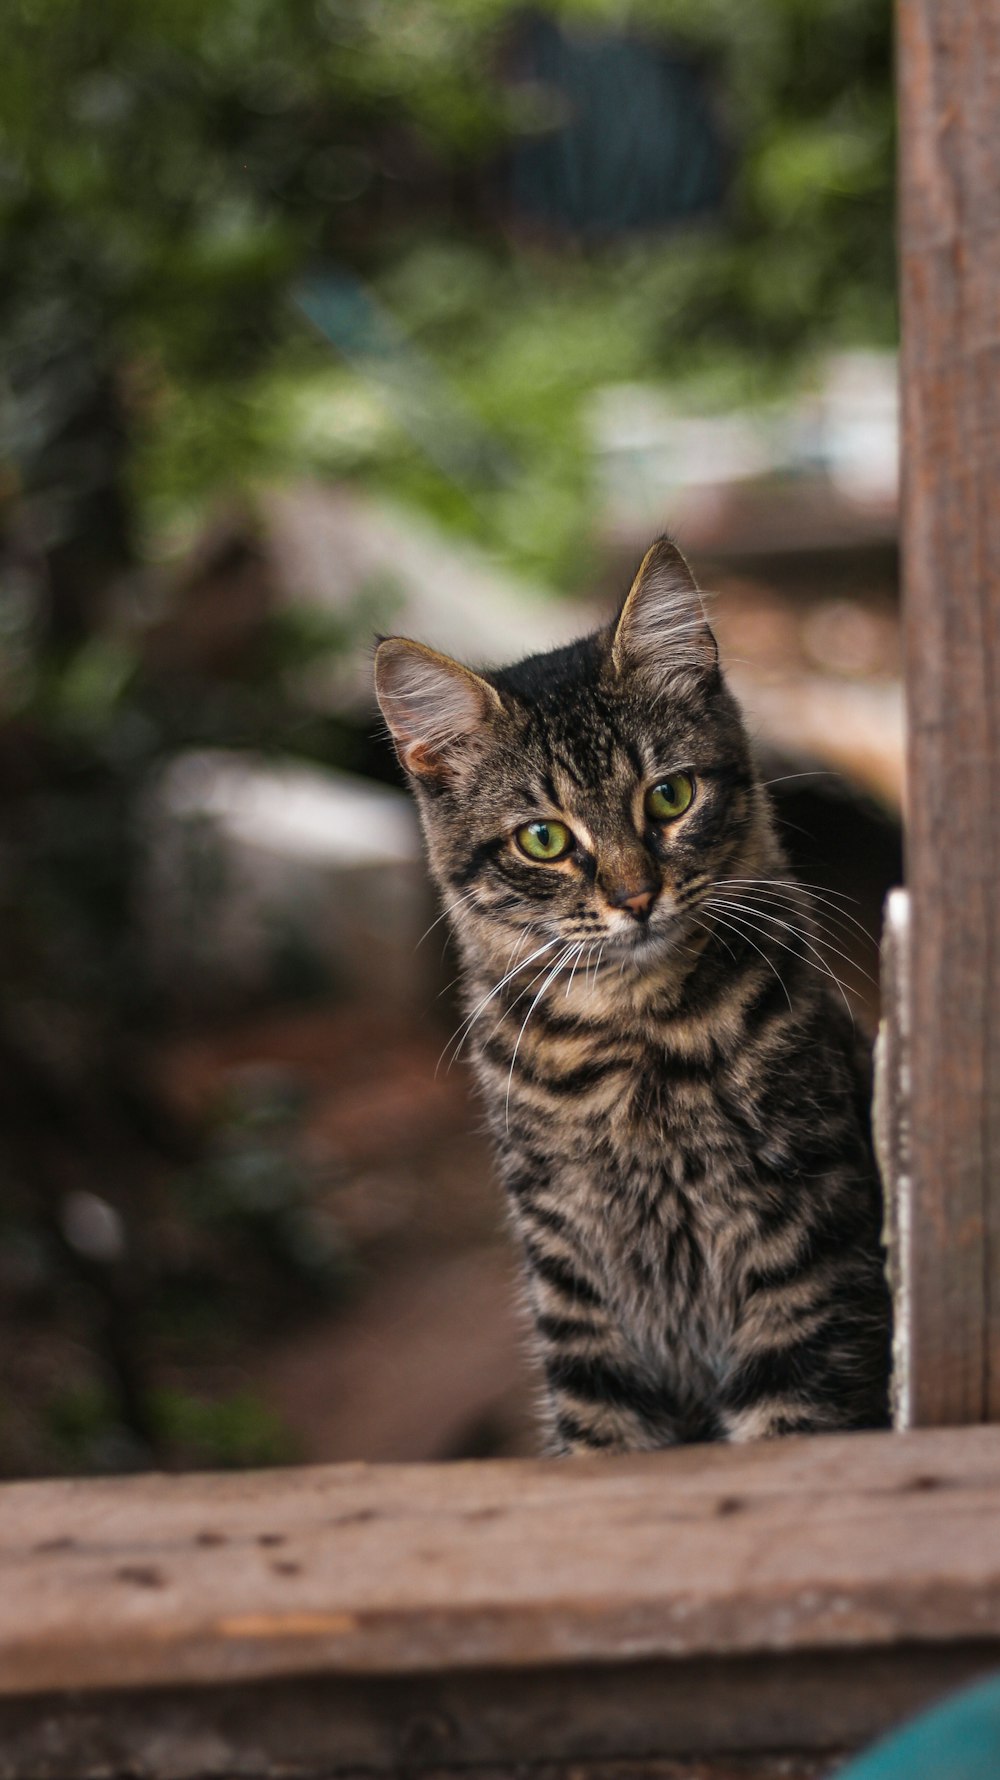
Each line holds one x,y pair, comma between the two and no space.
596,1405
772,1417
595,1397
592,1399
779,1384
803,1364
782,1380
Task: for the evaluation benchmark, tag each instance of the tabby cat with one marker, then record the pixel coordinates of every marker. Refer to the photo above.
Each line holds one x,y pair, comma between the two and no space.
676,1095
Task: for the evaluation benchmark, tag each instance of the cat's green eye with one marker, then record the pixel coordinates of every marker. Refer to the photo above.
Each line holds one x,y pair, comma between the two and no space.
546,841
670,798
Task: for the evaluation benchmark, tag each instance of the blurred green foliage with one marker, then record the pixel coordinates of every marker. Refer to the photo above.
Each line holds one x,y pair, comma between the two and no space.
167,169
252,1188
228,1433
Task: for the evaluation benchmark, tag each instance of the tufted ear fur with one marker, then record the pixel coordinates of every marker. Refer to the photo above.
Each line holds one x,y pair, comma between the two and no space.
434,707
663,626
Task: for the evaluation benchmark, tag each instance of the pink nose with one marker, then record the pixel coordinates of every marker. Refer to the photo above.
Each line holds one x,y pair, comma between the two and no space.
638,902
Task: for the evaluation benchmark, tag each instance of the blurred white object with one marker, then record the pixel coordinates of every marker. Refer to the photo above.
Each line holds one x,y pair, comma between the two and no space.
832,449
271,877
385,568
859,402
92,1227
647,451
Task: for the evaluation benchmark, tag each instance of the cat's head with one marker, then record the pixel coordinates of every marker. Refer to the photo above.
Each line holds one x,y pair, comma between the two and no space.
590,795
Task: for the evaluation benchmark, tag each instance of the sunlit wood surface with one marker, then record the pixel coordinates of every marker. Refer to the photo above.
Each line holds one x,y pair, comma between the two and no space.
797,1595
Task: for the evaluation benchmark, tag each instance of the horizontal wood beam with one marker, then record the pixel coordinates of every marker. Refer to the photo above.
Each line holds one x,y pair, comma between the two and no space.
738,1718
799,1595
811,1543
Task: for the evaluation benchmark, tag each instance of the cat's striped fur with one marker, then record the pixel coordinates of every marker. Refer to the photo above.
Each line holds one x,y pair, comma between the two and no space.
676,1094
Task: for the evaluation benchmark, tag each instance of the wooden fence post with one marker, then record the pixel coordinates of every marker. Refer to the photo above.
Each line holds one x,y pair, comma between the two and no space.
949,74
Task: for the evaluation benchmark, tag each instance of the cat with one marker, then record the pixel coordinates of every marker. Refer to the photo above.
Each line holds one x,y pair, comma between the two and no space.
677,1099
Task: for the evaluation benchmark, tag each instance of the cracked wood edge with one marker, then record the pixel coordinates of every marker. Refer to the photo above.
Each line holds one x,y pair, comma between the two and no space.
891,1119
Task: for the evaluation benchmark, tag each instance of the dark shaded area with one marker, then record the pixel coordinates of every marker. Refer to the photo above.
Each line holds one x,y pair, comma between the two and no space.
626,135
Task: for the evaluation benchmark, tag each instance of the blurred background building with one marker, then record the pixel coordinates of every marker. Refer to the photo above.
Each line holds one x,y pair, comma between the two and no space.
318,319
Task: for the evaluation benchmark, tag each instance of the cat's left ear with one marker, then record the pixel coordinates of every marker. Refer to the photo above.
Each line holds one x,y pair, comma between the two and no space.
663,628
434,707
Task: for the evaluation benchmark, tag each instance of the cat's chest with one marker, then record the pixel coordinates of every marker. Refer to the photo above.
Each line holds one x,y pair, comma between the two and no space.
673,1125
666,1193
650,1138
665,1269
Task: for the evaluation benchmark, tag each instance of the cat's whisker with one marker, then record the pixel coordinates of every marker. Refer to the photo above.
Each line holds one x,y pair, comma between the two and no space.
827,925
816,893
817,772
743,912
826,888
561,960
757,912
529,927
830,937
783,821
727,922
518,998
707,929
460,1036
832,913
795,884
449,986
478,1011
823,935
449,908
572,973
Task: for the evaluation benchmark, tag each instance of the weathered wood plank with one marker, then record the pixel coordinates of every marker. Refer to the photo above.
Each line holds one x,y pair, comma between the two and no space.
949,62
823,1543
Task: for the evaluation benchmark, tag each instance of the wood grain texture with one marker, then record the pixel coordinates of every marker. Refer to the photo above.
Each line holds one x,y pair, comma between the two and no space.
839,1542
949,63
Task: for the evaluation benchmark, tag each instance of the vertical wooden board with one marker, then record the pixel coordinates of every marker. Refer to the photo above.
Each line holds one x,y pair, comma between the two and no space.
949,70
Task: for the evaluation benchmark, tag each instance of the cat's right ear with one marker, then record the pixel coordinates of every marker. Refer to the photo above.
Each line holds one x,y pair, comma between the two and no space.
435,708
663,628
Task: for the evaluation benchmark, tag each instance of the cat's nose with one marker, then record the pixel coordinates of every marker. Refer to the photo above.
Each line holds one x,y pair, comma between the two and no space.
638,902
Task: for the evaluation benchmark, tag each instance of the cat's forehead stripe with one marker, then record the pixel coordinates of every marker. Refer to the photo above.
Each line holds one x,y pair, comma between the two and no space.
613,776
